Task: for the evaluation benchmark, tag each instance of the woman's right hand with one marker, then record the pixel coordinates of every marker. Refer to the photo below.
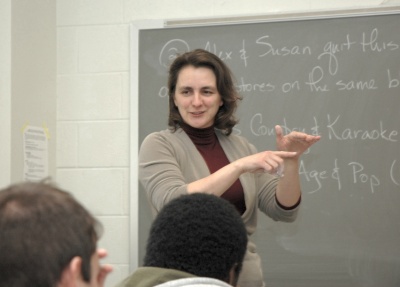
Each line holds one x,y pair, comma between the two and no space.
267,161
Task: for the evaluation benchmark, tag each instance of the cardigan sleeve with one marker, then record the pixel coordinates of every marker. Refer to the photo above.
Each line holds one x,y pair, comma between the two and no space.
159,171
268,203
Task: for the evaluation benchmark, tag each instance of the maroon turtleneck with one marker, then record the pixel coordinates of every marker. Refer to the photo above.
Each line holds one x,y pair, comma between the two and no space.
207,144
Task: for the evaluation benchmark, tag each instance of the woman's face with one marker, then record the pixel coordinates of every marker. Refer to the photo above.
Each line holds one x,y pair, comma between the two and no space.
197,97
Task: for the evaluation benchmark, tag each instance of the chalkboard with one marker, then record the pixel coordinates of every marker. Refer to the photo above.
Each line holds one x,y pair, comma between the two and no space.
337,76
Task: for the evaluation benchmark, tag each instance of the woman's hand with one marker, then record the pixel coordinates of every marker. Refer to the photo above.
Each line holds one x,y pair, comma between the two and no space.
266,161
295,141
289,191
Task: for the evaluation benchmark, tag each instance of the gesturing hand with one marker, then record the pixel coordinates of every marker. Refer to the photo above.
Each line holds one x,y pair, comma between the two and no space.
266,161
295,141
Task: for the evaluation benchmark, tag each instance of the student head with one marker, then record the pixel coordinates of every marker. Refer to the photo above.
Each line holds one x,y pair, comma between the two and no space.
200,234
46,238
225,118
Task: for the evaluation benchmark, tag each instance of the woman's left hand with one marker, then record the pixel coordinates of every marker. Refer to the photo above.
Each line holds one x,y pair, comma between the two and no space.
295,141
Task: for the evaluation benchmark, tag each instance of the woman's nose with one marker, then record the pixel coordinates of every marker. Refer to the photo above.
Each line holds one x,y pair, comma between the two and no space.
197,101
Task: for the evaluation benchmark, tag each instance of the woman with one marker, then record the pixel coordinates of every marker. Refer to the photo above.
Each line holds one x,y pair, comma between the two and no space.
198,153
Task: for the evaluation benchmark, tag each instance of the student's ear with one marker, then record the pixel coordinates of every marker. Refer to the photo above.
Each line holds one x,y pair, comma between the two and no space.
71,274
234,275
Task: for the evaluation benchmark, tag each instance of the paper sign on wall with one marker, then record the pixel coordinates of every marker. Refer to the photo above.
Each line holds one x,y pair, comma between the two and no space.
36,165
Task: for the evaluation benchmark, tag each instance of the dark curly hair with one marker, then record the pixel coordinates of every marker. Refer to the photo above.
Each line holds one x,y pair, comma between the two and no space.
225,119
201,234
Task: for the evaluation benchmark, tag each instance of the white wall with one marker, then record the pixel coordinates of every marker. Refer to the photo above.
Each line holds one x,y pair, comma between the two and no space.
5,92
93,96
33,77
27,80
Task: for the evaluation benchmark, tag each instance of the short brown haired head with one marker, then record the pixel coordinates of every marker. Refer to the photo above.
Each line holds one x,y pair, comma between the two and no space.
41,229
225,119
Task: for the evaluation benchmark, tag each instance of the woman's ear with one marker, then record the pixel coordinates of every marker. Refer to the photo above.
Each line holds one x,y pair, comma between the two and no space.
71,274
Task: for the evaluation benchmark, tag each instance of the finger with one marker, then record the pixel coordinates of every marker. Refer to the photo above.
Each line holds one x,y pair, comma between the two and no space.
296,136
303,139
274,168
278,132
101,253
285,154
104,271
309,141
306,137
273,164
314,139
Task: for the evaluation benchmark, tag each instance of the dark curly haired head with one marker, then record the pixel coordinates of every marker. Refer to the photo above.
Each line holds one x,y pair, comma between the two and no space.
200,234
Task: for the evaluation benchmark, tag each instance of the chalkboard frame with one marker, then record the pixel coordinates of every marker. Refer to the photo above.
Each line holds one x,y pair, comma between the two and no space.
142,25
